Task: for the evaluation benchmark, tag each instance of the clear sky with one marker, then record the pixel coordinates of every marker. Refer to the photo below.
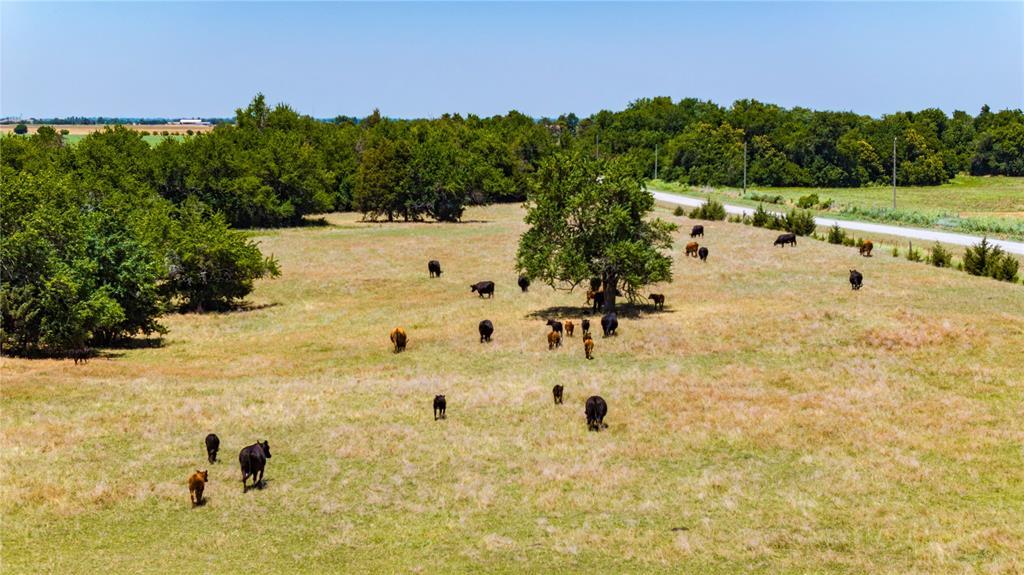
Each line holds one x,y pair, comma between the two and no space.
543,59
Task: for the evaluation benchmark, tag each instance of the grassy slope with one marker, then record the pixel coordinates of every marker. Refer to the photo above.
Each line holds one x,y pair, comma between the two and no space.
783,421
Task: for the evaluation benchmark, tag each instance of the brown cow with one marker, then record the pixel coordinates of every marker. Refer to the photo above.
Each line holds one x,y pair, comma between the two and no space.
588,347
658,299
554,340
866,247
569,327
691,249
399,338
196,484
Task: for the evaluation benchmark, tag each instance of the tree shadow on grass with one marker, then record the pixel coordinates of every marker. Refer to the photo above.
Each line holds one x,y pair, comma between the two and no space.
421,222
631,311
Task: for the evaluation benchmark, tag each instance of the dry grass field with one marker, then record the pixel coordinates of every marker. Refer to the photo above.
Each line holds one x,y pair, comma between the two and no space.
770,420
86,129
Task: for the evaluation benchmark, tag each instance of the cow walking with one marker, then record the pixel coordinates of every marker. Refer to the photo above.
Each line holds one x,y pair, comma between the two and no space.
691,249
609,323
434,267
399,339
439,407
596,409
856,279
482,288
588,347
253,460
865,248
697,231
486,329
703,253
784,239
212,446
196,485
658,299
557,391
524,283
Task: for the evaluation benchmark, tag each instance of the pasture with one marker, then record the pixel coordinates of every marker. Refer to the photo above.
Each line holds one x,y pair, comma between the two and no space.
769,420
994,200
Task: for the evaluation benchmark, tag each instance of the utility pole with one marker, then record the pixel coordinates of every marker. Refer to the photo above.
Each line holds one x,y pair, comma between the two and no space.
894,173
655,161
744,168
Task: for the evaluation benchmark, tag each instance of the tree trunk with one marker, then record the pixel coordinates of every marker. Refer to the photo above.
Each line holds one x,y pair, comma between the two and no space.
610,282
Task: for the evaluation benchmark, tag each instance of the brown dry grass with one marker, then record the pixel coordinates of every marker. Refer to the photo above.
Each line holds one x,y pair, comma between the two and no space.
771,420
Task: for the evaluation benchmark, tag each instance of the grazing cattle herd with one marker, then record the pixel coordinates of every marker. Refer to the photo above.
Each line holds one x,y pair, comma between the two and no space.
253,458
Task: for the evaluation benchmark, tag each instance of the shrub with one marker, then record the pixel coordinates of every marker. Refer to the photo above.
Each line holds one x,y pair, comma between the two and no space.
985,259
836,235
711,210
849,242
912,254
895,251
679,211
800,222
807,202
211,266
21,129
940,257
776,199
190,132
761,218
65,132
165,133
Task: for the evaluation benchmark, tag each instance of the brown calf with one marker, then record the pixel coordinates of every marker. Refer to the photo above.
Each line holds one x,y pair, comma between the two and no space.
866,247
691,249
196,484
554,340
569,327
399,339
588,347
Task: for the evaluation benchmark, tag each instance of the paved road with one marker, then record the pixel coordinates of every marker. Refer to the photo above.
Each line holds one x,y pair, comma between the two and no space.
913,233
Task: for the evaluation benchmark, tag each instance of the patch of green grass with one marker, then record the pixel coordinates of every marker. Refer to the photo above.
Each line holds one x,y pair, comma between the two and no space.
769,420
72,139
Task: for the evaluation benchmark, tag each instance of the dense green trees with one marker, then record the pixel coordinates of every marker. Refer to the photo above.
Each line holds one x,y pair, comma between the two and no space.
589,219
700,143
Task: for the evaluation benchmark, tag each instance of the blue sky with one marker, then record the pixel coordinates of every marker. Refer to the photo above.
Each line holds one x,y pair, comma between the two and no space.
425,59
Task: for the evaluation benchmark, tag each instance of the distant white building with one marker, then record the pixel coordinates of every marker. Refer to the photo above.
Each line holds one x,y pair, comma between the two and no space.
191,122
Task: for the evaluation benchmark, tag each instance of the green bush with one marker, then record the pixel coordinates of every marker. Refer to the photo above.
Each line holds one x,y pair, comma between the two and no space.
21,129
800,222
761,218
913,254
836,235
211,266
807,202
895,251
711,210
65,132
849,242
985,259
776,199
679,211
940,257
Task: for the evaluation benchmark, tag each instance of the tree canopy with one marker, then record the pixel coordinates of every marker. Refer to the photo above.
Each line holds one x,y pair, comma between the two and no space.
589,218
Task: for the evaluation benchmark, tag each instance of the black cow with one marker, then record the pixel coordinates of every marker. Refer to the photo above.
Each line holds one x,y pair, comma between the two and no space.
486,329
434,267
439,406
595,284
586,327
658,299
555,325
703,253
596,409
697,231
253,460
557,392
784,239
212,445
483,288
856,279
524,283
609,323
598,301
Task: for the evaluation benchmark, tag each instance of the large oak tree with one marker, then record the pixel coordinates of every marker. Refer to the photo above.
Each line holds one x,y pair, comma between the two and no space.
589,218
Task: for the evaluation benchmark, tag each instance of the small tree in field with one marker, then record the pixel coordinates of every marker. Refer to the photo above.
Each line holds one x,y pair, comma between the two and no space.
21,129
589,219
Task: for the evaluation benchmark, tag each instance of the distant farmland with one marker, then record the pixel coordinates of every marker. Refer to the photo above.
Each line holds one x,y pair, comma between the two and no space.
86,129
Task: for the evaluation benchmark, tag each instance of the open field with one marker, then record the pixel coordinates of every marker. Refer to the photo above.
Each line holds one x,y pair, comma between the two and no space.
770,420
998,199
86,129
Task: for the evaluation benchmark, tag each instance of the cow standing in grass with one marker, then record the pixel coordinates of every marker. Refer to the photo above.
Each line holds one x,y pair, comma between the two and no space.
609,323
691,249
434,267
554,340
486,329
703,253
585,324
399,339
596,409
697,231
196,485
856,279
524,283
253,460
557,391
570,327
784,239
658,299
440,405
212,446
588,347
482,288
865,248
